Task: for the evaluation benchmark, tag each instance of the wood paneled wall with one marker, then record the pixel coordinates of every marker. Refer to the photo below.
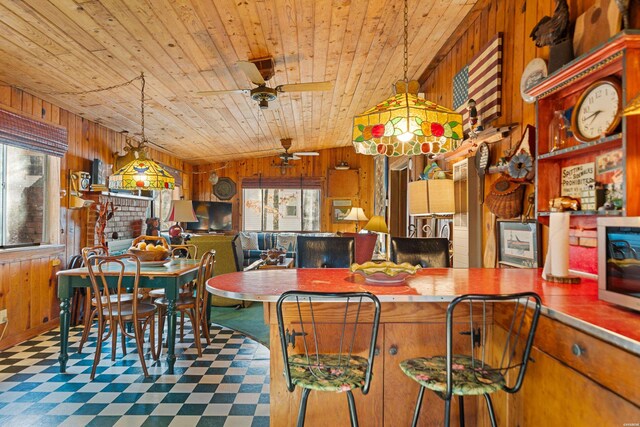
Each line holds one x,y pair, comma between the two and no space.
316,166
27,278
515,19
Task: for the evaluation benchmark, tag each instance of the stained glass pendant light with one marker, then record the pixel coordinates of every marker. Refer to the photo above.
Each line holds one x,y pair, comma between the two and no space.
406,124
141,173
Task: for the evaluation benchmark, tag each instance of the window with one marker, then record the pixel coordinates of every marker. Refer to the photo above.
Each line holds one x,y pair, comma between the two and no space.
23,206
281,209
162,205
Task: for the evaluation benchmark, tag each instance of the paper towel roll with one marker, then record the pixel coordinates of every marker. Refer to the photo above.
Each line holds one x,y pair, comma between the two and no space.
557,261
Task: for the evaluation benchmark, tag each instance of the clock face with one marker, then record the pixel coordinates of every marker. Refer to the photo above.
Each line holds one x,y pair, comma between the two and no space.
597,111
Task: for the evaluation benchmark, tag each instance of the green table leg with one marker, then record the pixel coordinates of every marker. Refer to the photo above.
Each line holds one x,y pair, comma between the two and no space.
64,334
171,339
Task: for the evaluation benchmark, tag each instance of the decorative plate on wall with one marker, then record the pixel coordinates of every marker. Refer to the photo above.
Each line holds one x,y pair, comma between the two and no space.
224,189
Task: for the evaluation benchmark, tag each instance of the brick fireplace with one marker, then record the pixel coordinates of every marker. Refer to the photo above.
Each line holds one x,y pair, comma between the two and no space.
128,220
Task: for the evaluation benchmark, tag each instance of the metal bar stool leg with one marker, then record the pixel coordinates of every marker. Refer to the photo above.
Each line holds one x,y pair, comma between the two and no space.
416,413
492,416
447,412
461,405
303,406
353,415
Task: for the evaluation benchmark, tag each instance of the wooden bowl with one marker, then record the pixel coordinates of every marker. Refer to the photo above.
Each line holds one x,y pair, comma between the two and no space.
153,255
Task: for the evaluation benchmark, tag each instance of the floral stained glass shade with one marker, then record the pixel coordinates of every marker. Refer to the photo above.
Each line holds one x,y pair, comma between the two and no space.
431,127
141,174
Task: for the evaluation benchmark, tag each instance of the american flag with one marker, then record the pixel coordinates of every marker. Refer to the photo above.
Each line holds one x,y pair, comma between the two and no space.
482,79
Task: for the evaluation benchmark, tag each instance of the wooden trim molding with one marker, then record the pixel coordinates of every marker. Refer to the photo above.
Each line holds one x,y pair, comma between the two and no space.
31,252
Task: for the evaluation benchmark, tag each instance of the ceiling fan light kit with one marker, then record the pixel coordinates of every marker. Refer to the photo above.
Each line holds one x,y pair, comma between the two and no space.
405,124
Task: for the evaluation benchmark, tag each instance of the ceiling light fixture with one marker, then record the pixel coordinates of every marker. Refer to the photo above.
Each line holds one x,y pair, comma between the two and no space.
406,124
141,173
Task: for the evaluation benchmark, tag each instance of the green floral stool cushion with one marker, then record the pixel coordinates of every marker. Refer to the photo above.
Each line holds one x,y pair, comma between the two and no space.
432,373
328,372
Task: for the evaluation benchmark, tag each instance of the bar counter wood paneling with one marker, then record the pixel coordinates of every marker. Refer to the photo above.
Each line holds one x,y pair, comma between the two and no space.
585,360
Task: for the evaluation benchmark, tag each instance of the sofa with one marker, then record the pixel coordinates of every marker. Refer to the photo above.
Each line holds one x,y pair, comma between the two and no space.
253,243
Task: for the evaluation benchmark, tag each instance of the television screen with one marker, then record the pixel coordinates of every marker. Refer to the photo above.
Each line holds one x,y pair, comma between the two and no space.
212,216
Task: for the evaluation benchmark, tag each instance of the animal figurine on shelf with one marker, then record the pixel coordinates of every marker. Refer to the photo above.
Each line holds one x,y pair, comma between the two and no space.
564,203
550,31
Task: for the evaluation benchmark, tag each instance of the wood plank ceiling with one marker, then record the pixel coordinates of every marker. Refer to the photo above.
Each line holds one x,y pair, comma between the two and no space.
188,46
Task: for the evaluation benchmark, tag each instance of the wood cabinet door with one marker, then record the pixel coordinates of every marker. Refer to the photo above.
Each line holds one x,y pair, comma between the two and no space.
553,394
407,341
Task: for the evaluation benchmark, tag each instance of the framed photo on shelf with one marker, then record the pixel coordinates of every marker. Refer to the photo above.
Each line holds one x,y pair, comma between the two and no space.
519,244
340,209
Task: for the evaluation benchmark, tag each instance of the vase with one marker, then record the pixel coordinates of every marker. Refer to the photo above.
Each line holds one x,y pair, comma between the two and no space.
558,131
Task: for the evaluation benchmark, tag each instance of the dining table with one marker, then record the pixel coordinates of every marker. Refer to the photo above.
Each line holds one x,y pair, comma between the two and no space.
170,276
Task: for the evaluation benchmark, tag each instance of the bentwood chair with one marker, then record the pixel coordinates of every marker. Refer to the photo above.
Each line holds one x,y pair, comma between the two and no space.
194,306
176,252
335,358
489,355
91,306
116,311
427,252
325,252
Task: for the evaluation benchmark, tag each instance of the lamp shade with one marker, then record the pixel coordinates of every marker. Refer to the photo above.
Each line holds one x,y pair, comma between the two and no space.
431,196
377,224
141,174
181,211
356,214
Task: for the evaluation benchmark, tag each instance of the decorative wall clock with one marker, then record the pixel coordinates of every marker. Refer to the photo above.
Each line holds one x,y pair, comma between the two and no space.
597,112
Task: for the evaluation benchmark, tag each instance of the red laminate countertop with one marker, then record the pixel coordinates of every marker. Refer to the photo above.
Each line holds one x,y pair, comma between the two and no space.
576,305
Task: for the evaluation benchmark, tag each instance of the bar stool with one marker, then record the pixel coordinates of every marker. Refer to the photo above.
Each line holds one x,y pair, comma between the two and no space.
321,359
470,367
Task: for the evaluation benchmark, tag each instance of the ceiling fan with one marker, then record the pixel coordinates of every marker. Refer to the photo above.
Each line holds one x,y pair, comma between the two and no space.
287,156
259,71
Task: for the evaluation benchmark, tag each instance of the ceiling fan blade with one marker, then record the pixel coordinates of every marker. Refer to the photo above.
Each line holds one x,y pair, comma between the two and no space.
294,157
250,69
223,92
306,153
305,87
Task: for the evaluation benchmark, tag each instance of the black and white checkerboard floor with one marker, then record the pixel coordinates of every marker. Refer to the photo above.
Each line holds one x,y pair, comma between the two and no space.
228,386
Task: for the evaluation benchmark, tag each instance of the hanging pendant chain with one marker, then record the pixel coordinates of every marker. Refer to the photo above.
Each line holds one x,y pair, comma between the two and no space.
144,139
406,39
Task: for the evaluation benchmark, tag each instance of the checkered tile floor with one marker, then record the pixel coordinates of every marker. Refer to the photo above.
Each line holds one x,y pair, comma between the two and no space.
228,386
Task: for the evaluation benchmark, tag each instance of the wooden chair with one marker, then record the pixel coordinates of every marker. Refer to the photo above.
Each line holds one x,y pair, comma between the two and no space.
194,306
90,304
178,251
478,360
116,311
328,359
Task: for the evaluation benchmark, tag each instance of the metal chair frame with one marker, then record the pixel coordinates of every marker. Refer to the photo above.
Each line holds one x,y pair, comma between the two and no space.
346,343
114,310
508,359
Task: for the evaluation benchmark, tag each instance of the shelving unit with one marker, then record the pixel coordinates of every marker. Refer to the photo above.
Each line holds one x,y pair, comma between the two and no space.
619,57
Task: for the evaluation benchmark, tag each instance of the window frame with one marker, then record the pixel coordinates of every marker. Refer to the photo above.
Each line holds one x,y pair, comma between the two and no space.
269,186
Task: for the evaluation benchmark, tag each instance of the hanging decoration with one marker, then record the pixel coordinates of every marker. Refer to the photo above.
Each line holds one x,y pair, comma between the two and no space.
405,124
142,173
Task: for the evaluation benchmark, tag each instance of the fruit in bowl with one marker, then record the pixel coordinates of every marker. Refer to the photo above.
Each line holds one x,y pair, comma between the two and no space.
149,251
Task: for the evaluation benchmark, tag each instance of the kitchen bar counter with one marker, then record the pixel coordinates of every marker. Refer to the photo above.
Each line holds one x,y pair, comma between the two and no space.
575,305
583,347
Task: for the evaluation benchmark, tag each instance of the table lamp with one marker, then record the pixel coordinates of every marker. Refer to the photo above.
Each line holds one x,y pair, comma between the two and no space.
356,215
181,211
378,225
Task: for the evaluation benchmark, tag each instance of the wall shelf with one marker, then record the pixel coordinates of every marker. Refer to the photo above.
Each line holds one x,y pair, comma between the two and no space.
119,195
609,142
586,213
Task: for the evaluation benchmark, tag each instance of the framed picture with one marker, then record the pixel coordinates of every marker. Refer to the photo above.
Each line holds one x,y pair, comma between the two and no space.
340,209
519,244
